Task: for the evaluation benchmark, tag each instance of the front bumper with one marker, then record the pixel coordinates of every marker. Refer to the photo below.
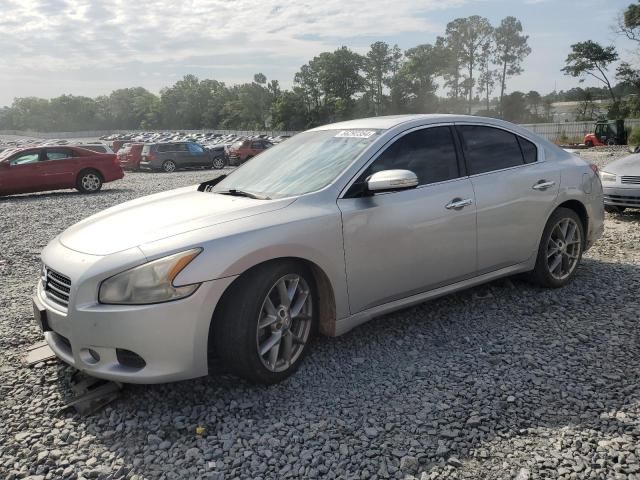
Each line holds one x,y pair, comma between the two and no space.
628,196
171,337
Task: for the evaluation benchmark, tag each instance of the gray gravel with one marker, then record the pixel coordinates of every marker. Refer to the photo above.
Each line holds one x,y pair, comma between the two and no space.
505,381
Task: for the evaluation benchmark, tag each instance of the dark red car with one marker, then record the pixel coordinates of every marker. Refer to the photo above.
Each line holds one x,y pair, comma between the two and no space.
129,156
243,150
25,170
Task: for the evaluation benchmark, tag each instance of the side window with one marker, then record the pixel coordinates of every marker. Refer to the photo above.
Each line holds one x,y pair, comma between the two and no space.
58,154
529,150
180,147
195,148
429,153
487,149
162,148
24,158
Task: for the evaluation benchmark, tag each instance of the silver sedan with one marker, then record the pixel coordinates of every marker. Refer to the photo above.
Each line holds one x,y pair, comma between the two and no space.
621,184
321,233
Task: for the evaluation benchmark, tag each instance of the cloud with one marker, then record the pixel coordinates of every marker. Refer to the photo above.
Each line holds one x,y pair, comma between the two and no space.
60,34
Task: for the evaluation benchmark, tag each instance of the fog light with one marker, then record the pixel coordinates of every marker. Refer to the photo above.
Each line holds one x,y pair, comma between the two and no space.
89,356
130,359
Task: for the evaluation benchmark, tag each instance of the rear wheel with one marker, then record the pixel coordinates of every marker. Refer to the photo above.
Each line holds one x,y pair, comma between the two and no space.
611,142
560,249
266,322
614,209
588,144
169,166
89,181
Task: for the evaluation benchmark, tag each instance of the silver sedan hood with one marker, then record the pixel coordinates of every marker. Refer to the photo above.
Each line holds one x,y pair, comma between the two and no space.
625,166
159,216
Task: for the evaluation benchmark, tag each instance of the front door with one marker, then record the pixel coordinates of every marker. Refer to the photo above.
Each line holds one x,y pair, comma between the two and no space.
22,173
402,243
515,189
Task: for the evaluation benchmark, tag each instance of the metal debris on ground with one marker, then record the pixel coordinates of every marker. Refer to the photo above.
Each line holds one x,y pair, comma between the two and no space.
91,394
37,353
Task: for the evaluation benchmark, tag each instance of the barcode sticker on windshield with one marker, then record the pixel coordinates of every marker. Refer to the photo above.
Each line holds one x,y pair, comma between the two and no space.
355,133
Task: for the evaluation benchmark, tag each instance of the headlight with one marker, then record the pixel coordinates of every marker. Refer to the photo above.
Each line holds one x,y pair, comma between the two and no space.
149,283
607,177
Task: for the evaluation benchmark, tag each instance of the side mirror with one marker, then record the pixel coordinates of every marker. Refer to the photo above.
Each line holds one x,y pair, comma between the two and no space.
389,180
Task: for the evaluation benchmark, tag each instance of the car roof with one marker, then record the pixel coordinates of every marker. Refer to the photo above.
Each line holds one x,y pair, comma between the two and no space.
391,121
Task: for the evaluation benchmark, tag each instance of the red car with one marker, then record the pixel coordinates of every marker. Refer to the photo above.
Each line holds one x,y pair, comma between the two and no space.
25,170
243,150
129,156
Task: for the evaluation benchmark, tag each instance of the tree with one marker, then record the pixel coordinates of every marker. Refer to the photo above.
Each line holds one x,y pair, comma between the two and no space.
414,86
591,59
511,48
629,22
260,78
629,75
487,78
378,66
515,109
468,38
534,102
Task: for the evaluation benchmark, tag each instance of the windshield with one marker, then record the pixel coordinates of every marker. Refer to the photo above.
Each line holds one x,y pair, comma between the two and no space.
305,163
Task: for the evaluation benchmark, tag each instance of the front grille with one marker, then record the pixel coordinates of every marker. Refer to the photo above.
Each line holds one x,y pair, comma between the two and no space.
56,286
617,199
635,180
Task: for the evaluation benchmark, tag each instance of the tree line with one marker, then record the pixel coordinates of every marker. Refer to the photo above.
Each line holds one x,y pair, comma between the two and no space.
466,70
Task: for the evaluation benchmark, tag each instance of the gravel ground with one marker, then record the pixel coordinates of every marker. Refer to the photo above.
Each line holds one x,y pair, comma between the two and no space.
504,381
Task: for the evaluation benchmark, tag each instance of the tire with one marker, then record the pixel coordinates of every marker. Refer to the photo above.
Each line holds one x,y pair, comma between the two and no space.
237,332
614,209
589,144
169,166
569,252
89,181
611,142
218,163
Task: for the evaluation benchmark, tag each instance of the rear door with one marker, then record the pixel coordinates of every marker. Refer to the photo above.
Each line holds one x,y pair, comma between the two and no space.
183,157
515,190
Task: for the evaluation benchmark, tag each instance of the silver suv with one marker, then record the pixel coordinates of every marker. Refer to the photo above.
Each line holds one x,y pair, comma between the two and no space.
169,157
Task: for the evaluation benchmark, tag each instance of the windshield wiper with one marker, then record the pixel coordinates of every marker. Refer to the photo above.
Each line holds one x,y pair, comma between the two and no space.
241,193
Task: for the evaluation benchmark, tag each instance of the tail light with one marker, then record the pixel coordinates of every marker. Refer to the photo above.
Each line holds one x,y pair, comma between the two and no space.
151,156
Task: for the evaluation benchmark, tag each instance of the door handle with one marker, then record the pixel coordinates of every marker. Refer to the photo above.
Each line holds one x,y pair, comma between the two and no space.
543,185
458,204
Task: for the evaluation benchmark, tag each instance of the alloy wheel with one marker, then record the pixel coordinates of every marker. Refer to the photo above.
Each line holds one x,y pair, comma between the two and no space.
563,248
169,166
284,323
218,163
91,182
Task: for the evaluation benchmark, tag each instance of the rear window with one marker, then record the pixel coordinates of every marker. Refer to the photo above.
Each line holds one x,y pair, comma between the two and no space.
93,148
529,150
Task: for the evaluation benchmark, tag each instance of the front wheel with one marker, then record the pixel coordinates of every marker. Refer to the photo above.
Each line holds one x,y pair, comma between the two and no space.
266,322
89,181
560,249
589,144
218,163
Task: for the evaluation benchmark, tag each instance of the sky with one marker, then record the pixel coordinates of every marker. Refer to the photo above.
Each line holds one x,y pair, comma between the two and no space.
80,47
